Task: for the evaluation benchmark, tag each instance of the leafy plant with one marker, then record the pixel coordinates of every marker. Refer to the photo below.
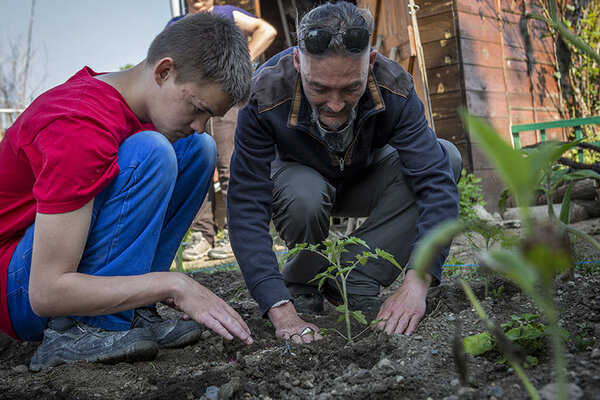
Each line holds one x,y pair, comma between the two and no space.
585,338
525,331
471,195
542,254
338,273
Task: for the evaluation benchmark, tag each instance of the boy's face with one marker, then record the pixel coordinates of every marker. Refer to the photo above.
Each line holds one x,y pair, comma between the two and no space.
180,109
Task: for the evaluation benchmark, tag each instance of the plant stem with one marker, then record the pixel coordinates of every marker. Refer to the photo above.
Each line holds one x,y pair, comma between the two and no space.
346,310
557,342
490,325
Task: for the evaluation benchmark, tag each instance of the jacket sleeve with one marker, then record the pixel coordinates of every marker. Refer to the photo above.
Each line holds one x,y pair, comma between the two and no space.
427,172
249,207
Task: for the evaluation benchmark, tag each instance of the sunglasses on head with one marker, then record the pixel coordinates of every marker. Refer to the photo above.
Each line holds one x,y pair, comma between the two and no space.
317,41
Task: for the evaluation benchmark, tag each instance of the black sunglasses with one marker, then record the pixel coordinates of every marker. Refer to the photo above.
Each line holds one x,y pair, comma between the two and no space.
317,41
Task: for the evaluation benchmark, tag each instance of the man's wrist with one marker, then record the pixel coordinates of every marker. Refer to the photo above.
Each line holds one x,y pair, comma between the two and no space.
412,277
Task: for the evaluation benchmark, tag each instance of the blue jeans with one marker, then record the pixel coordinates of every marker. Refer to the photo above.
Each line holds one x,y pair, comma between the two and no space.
137,223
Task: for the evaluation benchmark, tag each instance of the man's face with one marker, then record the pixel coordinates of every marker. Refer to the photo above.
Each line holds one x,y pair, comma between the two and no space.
196,6
333,85
180,109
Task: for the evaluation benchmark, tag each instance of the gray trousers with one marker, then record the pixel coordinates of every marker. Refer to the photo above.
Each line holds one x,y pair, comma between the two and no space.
304,201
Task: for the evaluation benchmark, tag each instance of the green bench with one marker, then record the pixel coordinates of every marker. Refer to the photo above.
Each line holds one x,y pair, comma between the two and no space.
563,123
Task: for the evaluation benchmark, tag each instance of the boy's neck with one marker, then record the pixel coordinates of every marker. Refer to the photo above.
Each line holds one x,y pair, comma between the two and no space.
131,84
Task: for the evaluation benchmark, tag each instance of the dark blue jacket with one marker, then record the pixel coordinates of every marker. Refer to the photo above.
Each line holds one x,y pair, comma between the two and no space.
277,123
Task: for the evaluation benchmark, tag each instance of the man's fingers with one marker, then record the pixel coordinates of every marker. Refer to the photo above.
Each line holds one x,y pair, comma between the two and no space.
211,323
235,326
412,326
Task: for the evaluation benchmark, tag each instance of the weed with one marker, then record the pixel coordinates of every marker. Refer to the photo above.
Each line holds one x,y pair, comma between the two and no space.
338,274
470,194
583,340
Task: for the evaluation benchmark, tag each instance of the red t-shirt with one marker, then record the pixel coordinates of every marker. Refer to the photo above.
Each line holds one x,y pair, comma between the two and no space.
57,156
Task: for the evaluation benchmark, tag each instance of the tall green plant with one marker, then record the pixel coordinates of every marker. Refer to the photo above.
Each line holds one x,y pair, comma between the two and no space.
338,271
543,252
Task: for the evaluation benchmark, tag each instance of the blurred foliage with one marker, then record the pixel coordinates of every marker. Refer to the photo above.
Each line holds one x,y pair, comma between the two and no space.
471,195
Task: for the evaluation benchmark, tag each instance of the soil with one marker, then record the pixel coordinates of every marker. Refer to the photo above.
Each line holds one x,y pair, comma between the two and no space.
375,366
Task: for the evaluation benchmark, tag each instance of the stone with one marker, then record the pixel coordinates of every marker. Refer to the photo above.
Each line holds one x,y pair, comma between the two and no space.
549,392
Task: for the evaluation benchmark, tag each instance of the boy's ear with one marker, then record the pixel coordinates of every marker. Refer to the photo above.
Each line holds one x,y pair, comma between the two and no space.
164,69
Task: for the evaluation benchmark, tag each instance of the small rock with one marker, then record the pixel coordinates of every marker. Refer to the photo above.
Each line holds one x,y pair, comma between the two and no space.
228,390
549,392
66,388
20,369
206,335
495,391
399,378
385,364
212,393
454,382
451,317
434,351
596,353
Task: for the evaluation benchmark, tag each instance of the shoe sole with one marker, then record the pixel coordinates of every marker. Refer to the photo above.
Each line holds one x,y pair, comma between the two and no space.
143,350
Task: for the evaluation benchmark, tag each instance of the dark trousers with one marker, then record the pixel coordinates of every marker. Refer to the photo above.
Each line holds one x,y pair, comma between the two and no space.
304,201
222,129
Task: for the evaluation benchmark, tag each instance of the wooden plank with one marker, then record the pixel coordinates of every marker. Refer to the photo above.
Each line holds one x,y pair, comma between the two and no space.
542,79
487,104
451,129
538,38
476,27
540,100
433,7
445,105
481,53
437,27
439,54
482,78
478,7
443,79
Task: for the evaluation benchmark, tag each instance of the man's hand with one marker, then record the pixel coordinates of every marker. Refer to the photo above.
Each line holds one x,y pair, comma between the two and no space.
404,309
289,325
206,308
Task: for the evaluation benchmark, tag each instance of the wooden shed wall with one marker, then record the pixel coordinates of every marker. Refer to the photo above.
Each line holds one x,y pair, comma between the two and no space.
484,54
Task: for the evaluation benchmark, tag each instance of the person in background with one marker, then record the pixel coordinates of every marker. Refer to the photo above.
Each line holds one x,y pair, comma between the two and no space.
99,181
333,128
204,228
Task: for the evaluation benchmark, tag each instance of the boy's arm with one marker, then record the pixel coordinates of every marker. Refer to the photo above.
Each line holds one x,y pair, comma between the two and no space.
56,288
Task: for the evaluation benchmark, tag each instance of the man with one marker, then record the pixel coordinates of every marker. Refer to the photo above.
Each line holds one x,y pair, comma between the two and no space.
204,228
333,128
100,179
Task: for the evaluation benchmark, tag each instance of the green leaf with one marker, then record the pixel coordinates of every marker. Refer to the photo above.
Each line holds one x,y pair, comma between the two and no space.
514,168
387,256
341,308
325,331
433,242
530,361
478,344
359,316
566,205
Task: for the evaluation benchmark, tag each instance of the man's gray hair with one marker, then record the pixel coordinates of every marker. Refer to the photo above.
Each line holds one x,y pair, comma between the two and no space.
336,17
207,47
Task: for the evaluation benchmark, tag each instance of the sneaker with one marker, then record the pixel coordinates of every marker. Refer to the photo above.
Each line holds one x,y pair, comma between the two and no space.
222,249
169,333
67,340
356,302
198,248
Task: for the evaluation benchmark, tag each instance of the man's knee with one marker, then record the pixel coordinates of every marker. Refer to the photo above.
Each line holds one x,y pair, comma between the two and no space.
455,158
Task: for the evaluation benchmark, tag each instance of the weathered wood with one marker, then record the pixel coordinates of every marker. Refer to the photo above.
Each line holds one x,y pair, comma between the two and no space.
443,79
433,7
445,105
437,27
476,27
440,53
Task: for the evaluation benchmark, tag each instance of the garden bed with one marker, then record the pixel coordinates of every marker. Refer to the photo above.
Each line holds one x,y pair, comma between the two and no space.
376,366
